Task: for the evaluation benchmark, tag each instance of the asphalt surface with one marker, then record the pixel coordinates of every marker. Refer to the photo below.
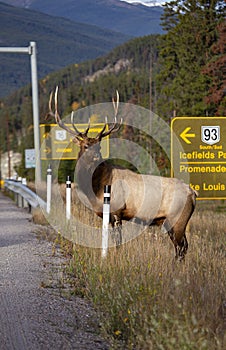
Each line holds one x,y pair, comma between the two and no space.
35,311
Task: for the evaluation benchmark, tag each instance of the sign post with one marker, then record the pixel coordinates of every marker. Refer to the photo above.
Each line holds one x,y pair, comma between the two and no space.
198,154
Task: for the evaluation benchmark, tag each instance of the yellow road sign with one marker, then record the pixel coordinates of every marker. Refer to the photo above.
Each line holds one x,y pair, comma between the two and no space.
56,143
198,154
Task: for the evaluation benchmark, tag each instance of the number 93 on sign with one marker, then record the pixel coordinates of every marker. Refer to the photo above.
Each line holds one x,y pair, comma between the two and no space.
210,134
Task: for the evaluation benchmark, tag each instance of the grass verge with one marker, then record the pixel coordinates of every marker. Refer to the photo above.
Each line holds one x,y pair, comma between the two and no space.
147,301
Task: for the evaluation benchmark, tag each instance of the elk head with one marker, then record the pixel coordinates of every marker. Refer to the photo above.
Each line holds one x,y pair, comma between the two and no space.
91,144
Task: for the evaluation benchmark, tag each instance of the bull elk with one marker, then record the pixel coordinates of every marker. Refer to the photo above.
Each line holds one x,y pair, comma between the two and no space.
153,200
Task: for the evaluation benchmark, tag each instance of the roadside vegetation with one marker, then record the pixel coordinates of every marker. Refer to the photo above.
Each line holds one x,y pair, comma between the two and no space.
147,300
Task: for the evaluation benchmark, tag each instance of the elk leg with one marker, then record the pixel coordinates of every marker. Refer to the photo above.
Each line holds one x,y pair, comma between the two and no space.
180,245
182,248
117,229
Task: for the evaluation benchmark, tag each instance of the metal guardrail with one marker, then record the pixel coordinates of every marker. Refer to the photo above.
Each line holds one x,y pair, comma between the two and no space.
23,195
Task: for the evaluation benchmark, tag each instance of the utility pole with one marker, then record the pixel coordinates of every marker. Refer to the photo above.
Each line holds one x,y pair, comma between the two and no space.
8,146
150,83
32,51
150,107
35,104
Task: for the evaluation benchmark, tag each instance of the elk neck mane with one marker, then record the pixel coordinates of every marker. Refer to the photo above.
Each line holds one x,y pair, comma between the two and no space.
100,174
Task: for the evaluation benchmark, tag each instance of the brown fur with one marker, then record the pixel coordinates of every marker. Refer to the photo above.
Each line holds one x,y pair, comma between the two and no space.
152,200
147,198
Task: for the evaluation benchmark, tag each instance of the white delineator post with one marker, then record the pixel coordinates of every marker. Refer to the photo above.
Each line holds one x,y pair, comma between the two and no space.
68,198
49,189
106,219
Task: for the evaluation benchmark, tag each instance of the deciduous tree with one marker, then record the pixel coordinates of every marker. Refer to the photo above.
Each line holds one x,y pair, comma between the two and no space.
216,71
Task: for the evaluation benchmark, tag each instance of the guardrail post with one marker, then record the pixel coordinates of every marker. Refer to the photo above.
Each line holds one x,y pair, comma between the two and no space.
68,198
25,203
19,196
24,181
20,201
106,219
49,189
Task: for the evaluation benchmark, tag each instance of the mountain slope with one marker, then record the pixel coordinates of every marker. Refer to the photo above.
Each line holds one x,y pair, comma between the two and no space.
130,19
125,68
60,42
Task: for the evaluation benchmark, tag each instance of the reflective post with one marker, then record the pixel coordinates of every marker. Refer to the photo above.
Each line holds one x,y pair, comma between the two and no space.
68,198
49,189
106,219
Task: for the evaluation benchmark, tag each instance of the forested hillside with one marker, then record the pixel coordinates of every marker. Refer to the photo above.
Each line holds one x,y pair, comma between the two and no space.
125,68
60,42
181,72
131,19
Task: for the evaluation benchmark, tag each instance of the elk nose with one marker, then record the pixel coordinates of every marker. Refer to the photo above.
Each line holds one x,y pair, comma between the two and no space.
96,156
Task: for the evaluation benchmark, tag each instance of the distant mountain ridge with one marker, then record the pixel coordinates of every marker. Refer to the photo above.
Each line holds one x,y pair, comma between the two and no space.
131,19
60,42
150,3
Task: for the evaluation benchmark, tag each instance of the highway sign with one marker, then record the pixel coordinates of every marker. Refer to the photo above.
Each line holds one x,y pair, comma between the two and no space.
30,161
56,143
198,154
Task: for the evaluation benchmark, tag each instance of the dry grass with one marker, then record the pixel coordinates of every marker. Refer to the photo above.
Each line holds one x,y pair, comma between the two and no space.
146,299
38,217
150,302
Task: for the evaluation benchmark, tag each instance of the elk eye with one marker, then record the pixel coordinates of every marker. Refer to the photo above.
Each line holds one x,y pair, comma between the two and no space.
86,147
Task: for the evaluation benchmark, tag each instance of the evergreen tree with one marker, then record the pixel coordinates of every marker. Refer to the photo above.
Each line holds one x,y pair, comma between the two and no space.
185,50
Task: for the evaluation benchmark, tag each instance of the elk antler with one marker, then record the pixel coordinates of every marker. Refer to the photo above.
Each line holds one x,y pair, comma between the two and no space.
80,134
116,126
76,133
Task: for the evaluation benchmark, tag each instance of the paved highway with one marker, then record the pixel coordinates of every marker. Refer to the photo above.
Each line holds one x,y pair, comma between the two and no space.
34,311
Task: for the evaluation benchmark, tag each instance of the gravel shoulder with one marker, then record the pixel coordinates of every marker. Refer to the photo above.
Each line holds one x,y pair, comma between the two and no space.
35,314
